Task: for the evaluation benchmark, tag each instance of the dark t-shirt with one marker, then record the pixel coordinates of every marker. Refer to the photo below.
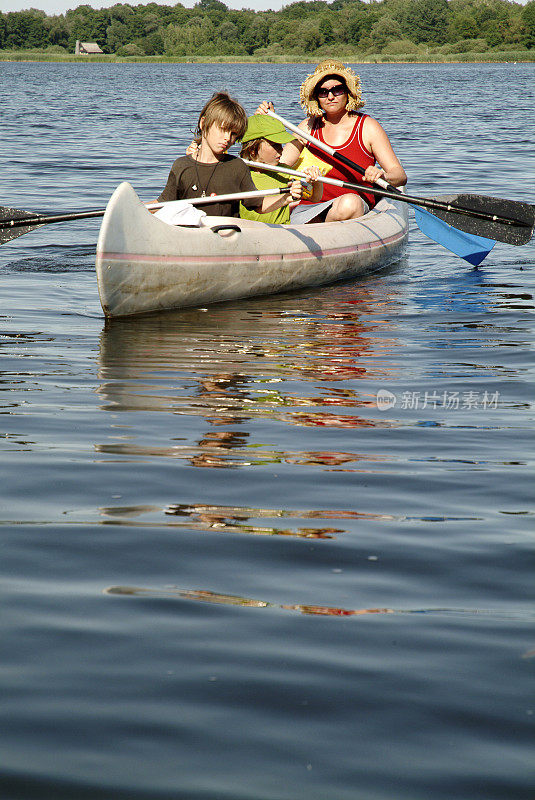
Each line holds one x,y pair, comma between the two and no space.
189,178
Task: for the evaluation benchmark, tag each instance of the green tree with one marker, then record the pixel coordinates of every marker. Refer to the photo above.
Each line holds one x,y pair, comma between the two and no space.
122,13
256,34
228,39
87,25
58,33
280,29
205,6
132,49
494,21
304,9
26,30
150,23
196,37
463,26
153,44
173,40
426,21
358,22
3,30
178,16
528,24
307,35
326,30
383,31
117,35
302,27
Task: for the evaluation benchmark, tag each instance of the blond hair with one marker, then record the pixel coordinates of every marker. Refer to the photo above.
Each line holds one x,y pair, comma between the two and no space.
225,112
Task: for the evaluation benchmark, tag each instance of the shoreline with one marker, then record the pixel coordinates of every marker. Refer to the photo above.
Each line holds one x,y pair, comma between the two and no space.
500,57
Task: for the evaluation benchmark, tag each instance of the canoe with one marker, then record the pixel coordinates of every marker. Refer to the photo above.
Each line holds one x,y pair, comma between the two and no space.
144,264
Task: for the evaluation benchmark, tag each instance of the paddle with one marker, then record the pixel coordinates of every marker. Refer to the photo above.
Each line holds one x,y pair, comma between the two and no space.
472,248
297,174
503,220
15,223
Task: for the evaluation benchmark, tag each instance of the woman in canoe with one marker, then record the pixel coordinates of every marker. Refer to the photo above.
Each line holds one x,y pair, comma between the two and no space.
263,142
210,171
331,96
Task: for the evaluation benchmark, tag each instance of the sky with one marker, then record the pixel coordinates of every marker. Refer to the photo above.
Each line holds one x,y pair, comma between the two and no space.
51,7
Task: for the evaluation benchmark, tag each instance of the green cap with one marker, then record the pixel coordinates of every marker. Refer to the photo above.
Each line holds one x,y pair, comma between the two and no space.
262,126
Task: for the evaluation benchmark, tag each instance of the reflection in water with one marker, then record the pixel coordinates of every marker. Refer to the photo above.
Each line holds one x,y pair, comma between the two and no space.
237,380
325,420
238,521
232,365
205,596
246,520
227,449
469,290
234,519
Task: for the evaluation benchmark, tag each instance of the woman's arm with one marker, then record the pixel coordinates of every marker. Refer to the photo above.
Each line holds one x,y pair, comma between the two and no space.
292,151
378,143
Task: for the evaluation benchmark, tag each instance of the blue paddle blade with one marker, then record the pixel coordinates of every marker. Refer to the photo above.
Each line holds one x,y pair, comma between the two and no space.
466,245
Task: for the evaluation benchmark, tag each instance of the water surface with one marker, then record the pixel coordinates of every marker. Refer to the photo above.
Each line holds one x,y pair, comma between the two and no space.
280,548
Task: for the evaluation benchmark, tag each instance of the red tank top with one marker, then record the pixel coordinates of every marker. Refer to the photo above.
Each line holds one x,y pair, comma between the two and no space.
354,149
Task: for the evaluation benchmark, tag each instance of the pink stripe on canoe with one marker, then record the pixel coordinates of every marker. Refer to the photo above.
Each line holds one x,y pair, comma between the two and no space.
243,259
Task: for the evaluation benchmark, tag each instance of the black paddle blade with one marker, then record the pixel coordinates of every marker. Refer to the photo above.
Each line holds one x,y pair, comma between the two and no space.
514,225
15,223
6,234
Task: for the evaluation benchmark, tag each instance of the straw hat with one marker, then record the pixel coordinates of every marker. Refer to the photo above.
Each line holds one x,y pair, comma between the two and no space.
330,67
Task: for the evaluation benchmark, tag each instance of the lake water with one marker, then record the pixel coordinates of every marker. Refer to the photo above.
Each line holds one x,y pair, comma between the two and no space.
227,573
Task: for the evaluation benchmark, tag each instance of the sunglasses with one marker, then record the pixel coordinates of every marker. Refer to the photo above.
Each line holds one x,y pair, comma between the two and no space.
335,90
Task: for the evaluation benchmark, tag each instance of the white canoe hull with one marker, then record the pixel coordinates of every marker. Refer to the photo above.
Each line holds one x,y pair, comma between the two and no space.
145,265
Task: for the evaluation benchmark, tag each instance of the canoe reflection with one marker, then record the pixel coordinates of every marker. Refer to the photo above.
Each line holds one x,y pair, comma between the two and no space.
205,596
238,519
234,365
250,520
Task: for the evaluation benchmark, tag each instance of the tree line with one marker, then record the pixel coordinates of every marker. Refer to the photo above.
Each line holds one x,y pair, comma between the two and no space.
210,28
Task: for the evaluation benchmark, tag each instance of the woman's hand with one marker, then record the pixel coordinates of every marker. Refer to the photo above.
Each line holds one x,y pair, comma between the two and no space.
373,173
192,148
313,191
312,174
264,107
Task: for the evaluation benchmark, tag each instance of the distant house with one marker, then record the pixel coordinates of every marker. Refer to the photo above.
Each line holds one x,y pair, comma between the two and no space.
87,49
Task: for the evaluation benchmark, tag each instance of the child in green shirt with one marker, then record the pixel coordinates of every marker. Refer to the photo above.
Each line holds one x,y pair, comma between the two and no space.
263,141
